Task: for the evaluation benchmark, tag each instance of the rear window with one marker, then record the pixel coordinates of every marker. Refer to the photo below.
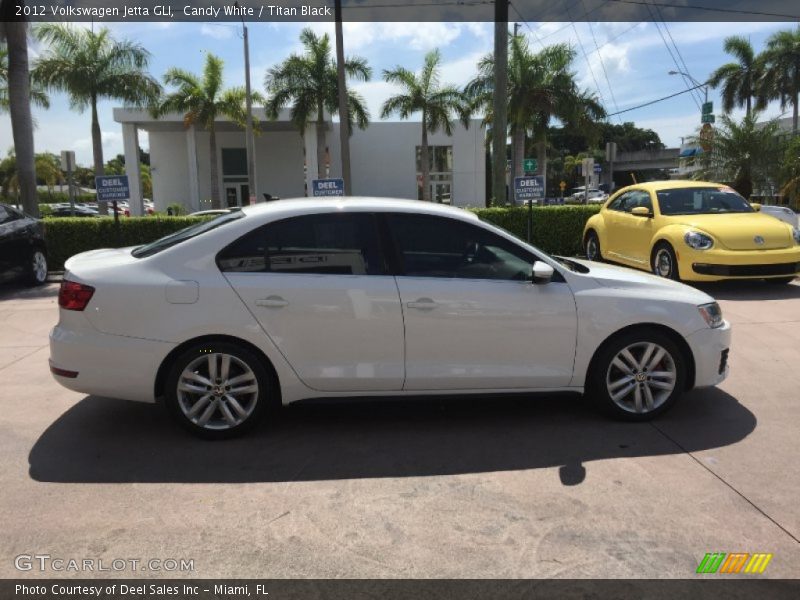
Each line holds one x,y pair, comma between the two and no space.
185,234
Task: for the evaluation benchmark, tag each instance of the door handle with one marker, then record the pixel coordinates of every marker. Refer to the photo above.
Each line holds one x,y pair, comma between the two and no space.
422,304
272,302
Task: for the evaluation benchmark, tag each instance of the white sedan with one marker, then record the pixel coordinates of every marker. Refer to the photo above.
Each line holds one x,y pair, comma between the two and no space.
307,298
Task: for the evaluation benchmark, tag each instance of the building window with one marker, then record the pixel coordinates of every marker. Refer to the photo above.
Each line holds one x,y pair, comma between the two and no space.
440,159
234,164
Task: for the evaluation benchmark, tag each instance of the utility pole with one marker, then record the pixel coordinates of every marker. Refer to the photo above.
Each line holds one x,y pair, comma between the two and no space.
344,112
499,106
249,139
515,160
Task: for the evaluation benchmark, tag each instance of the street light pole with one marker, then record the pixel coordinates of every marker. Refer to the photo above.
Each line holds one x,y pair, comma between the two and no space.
249,139
694,81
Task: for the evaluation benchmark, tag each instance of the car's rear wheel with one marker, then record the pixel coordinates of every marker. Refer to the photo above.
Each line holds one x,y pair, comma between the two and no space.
218,390
637,376
780,280
663,261
592,247
37,267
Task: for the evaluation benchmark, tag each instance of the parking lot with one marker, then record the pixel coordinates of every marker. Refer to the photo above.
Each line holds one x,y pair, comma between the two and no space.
522,487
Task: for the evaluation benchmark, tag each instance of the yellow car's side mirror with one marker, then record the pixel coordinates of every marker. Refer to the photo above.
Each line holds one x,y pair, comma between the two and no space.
756,206
641,211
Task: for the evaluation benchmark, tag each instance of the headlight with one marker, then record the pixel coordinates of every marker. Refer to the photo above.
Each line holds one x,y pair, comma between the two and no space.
712,314
697,240
796,235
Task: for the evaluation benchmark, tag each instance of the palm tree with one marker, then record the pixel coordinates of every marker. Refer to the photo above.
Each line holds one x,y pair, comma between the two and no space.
745,154
90,66
782,71
202,100
19,106
309,82
541,86
424,94
38,96
740,79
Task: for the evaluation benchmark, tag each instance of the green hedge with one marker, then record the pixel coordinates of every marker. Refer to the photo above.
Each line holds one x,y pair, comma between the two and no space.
67,236
556,229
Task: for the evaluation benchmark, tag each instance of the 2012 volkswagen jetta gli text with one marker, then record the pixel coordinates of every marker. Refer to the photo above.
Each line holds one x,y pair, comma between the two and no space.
364,297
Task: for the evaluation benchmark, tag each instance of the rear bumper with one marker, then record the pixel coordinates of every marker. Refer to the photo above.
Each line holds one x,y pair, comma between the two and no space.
106,365
710,349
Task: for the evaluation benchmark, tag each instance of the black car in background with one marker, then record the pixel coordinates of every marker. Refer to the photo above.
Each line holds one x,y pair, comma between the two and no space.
23,254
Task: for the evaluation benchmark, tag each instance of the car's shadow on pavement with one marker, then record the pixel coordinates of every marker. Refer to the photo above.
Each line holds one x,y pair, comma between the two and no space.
107,441
17,291
750,290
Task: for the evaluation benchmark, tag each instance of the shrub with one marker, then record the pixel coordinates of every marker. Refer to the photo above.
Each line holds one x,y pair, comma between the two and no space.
67,236
556,229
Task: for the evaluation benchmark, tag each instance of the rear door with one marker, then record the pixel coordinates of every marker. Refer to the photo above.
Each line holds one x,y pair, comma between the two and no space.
473,318
319,287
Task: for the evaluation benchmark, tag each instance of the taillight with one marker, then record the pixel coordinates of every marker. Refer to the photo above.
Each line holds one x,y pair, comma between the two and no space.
74,296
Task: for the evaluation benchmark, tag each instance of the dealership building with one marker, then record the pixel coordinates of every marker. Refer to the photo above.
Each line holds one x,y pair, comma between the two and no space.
384,159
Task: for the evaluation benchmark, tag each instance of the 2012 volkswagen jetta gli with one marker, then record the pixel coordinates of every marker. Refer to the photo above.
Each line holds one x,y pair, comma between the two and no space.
363,297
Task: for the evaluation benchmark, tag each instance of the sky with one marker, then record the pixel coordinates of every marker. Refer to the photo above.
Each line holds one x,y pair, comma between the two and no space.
624,64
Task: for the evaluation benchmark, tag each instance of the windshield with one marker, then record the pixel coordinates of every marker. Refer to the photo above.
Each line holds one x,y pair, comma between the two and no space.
701,201
185,234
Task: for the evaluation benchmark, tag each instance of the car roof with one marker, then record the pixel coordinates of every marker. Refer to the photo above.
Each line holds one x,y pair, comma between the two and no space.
672,184
298,206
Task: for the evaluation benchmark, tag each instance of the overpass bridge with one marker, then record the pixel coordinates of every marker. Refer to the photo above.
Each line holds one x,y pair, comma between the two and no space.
647,159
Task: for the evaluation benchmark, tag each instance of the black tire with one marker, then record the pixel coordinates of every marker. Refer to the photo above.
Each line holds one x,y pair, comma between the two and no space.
36,271
603,373
780,280
663,262
591,247
216,427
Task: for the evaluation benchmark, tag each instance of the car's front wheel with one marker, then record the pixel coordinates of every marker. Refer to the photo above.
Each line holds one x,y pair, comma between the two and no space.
663,261
37,268
592,247
218,390
637,376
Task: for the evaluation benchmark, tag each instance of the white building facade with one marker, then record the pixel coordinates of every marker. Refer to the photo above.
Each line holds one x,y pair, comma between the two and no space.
384,161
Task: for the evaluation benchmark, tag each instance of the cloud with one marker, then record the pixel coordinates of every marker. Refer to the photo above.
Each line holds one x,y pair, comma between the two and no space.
218,31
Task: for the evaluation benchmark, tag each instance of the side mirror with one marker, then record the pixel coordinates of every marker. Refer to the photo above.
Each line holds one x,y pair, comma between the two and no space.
541,272
756,206
641,211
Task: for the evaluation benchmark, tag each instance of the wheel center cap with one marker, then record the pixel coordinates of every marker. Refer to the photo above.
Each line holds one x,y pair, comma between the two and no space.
641,377
218,390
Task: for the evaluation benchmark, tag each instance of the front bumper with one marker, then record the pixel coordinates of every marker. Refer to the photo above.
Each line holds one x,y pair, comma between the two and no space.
718,264
710,348
111,366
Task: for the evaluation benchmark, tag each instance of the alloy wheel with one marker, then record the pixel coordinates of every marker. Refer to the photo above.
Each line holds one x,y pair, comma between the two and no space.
663,263
39,266
591,248
217,391
641,377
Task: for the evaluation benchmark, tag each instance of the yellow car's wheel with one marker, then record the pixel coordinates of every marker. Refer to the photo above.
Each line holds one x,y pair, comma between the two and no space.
592,247
664,262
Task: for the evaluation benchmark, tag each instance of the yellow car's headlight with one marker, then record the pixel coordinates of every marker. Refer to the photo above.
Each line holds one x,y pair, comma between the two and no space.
698,240
712,314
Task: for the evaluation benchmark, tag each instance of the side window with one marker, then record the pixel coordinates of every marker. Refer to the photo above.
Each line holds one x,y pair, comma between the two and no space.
325,244
619,202
5,215
440,247
642,199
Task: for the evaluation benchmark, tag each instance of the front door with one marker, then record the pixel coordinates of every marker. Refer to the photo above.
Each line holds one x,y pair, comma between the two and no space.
318,286
633,233
473,319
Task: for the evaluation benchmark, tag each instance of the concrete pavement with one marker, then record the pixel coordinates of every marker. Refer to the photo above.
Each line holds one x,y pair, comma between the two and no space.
539,487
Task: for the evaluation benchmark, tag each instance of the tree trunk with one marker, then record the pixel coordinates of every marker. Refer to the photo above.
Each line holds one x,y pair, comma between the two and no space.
794,112
213,171
20,110
321,172
424,157
749,106
518,144
97,152
541,160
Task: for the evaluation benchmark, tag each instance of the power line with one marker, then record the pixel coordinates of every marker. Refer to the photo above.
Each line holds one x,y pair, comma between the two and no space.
677,50
602,64
656,101
710,9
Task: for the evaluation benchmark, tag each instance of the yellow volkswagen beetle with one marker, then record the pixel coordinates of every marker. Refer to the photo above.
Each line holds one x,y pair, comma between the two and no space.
692,230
